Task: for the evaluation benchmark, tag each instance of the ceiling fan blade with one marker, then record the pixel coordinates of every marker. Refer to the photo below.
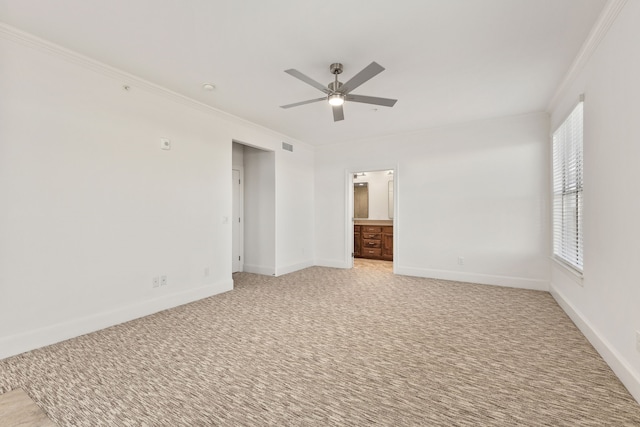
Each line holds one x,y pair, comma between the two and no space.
308,80
338,113
367,73
324,98
372,100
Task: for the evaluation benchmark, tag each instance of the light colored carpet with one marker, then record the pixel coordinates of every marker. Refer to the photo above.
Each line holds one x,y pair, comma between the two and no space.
323,347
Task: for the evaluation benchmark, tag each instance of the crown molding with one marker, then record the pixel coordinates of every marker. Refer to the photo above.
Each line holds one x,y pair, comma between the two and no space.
598,32
26,39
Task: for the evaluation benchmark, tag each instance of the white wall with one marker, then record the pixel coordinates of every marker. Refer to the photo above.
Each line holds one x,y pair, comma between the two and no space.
606,305
92,208
259,211
378,186
476,190
237,156
295,210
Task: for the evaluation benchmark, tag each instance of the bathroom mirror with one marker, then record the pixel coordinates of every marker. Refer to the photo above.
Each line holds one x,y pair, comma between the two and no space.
360,200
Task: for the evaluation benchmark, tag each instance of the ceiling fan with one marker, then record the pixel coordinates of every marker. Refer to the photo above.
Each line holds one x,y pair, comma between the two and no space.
338,92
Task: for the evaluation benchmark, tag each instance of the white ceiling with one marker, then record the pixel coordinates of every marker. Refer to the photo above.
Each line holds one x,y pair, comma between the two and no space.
446,61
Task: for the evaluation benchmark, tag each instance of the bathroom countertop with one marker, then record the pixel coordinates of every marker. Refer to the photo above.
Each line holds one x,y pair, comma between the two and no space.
385,222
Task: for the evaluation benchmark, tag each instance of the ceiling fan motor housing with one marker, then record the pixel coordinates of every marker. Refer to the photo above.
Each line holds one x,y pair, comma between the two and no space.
335,86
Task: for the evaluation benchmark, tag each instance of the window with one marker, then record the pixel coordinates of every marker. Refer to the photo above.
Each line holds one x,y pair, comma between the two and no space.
567,190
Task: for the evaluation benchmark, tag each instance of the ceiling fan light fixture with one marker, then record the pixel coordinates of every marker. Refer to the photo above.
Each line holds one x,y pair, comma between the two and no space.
336,92
336,99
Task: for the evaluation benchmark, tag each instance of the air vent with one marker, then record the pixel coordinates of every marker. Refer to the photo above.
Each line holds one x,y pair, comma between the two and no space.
287,147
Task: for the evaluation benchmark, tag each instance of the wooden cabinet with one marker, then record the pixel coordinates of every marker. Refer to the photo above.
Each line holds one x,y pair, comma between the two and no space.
371,241
371,253
387,243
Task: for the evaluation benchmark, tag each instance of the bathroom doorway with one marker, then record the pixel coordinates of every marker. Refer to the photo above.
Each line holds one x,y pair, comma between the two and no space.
371,218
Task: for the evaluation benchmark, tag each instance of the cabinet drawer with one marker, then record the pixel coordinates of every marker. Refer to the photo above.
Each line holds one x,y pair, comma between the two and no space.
371,243
370,229
376,236
369,252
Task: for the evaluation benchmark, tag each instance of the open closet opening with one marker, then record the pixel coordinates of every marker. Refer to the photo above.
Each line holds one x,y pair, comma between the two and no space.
253,231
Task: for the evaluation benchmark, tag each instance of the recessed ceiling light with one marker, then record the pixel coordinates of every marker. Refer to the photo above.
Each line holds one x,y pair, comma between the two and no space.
208,86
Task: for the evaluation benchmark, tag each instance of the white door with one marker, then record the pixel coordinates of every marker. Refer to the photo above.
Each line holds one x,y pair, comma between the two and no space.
236,218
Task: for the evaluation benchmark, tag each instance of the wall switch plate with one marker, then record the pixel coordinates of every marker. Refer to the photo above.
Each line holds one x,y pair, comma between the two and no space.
206,272
165,144
460,260
155,282
163,280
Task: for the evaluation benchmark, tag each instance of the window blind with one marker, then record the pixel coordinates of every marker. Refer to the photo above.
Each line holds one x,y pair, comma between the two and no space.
567,190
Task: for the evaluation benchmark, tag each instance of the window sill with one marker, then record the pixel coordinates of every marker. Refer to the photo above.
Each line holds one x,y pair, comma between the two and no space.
570,272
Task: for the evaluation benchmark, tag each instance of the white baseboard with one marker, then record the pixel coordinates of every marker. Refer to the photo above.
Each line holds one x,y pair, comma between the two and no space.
485,279
333,263
30,340
626,374
294,267
259,269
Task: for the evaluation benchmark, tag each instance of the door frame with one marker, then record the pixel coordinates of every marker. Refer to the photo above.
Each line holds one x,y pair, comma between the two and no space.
348,220
240,170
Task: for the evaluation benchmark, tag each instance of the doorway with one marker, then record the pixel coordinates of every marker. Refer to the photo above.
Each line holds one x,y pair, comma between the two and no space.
253,205
371,217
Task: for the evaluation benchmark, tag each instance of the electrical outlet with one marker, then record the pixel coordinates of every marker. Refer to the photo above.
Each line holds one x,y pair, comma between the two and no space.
460,260
638,341
155,282
163,280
